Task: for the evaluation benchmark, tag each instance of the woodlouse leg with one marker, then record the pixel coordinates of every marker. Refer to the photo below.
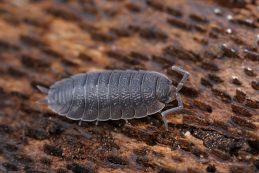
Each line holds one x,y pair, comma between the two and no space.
96,123
172,110
80,123
183,80
127,122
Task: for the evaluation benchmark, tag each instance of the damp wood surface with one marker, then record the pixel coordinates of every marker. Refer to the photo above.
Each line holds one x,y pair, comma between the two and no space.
216,41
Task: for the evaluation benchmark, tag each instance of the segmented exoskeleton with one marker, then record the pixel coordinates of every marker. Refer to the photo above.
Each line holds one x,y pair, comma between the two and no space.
114,94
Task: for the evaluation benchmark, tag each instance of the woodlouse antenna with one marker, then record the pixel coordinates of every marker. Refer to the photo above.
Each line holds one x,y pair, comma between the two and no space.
183,80
178,98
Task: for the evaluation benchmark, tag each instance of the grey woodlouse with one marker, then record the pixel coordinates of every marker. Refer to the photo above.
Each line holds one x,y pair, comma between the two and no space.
114,94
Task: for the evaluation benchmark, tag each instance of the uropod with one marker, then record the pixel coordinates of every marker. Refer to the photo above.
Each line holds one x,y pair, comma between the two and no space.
114,95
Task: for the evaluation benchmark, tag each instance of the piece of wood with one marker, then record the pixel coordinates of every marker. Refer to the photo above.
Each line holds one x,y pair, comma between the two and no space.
216,42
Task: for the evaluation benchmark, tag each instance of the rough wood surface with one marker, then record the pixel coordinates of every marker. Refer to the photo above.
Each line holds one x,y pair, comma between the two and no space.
215,40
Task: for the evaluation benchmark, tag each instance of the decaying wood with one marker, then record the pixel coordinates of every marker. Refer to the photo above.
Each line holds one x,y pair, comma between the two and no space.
216,41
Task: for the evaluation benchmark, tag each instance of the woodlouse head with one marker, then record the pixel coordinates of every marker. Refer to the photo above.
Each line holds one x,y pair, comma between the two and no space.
166,91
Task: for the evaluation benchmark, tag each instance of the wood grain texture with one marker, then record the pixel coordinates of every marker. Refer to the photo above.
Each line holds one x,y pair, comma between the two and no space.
216,41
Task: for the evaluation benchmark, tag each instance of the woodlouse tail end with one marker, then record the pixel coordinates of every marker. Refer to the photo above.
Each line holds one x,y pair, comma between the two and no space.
43,89
42,101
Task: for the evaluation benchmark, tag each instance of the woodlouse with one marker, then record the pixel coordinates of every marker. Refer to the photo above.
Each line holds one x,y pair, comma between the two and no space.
114,94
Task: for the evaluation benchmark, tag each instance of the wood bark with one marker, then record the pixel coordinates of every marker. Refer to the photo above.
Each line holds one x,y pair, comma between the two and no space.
216,41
